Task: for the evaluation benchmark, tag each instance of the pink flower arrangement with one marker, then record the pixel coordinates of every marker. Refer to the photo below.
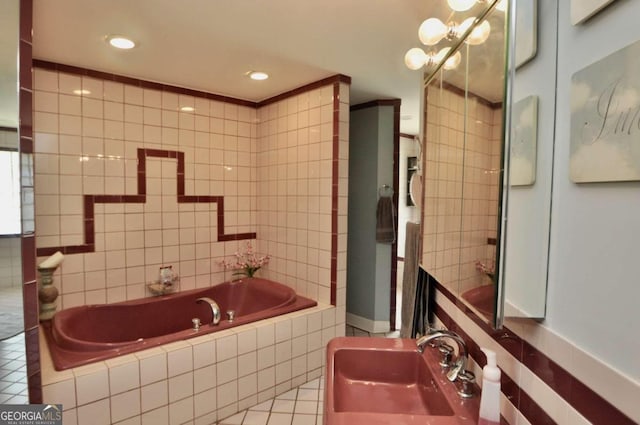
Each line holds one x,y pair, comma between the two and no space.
246,263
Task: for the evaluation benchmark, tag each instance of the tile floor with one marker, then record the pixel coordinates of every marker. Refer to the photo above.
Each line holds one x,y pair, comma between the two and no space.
13,371
300,406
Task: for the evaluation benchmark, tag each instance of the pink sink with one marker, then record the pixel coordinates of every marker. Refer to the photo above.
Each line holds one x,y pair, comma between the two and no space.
386,381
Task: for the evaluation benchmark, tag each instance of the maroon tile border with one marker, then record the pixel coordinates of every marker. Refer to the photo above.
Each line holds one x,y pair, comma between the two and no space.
69,69
335,182
28,248
480,99
334,79
76,70
582,398
141,198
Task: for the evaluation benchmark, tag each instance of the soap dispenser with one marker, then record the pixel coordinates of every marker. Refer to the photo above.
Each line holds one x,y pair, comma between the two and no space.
490,396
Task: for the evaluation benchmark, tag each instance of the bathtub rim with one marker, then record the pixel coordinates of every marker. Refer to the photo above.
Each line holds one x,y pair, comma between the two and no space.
88,358
71,344
50,375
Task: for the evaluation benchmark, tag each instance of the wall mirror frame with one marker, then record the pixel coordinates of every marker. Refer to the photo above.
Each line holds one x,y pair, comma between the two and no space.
468,135
464,122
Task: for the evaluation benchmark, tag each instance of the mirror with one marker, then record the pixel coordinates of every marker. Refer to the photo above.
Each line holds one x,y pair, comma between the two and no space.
464,188
463,127
13,388
531,164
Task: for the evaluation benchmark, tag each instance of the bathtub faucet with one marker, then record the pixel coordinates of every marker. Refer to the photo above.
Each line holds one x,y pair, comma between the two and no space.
215,309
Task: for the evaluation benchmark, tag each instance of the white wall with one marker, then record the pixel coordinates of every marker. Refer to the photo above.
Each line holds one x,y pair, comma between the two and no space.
594,277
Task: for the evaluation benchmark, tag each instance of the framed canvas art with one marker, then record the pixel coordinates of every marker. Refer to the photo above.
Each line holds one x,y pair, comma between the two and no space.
605,119
581,10
526,31
523,145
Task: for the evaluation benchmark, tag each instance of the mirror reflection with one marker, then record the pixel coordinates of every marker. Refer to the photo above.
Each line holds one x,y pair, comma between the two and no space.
463,123
13,387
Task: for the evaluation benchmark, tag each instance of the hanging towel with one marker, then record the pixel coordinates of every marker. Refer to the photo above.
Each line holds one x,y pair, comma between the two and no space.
409,278
385,220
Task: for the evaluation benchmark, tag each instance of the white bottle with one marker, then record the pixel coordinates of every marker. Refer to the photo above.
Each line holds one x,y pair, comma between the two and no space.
490,396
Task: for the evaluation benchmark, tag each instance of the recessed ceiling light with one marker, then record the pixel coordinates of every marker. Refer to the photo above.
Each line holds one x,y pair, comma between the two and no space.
121,42
258,75
187,109
81,92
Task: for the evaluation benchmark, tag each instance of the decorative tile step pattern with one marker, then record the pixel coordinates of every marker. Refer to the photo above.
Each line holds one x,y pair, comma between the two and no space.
141,198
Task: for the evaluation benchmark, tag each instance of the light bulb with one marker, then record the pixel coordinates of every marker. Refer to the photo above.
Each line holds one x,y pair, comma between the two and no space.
502,5
415,58
464,26
453,61
479,34
432,31
439,57
461,5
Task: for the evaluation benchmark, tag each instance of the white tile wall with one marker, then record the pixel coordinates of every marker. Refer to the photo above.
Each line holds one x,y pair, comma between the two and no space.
91,146
294,170
88,145
460,189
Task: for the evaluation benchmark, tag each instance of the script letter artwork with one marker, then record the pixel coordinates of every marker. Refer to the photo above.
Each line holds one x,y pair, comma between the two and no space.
605,119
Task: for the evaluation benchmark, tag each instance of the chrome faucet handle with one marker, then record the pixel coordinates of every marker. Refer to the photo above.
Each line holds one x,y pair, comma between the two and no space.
457,368
447,355
231,315
467,380
196,323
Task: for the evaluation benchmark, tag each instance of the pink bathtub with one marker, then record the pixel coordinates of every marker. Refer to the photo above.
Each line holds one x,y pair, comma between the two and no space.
86,334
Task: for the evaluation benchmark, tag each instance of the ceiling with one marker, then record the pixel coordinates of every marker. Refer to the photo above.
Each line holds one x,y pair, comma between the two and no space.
209,45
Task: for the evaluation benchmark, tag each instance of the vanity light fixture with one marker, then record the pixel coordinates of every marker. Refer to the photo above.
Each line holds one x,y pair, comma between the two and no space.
461,5
81,92
187,108
121,42
416,58
258,75
432,31
479,34
464,5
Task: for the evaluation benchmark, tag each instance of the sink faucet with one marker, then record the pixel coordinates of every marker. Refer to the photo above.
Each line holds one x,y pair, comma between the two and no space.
460,366
215,309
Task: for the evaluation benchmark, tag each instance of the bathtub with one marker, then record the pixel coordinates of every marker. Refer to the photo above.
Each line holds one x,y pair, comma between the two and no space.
86,334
